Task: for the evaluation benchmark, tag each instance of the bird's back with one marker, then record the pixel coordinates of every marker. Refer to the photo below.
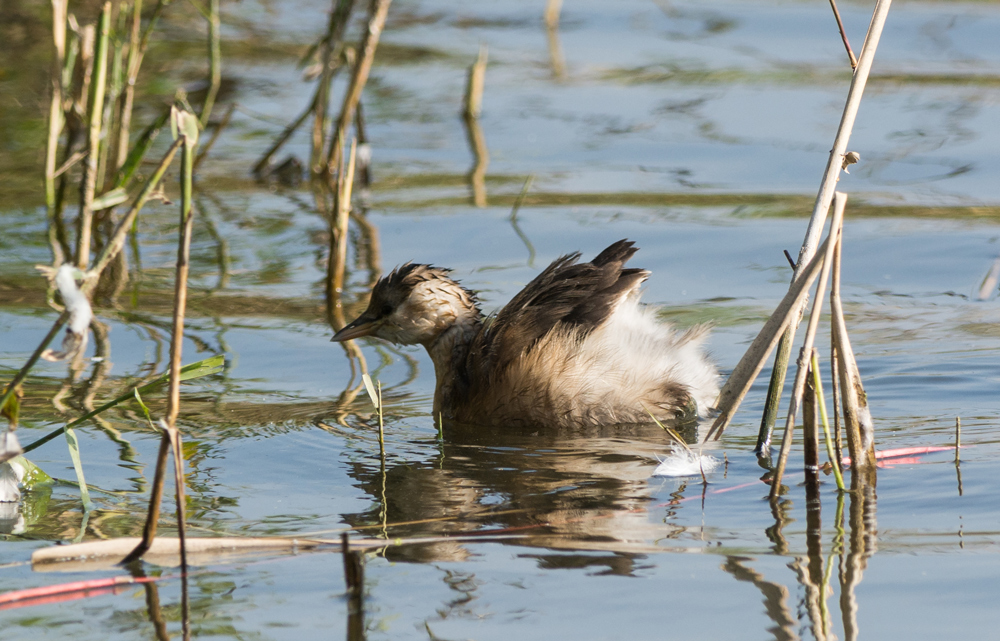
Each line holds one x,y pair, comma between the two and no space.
575,348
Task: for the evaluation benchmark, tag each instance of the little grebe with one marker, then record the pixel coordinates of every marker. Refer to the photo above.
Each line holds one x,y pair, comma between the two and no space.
574,348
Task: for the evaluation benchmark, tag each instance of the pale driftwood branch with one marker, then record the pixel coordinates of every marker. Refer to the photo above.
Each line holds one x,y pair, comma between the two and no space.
840,201
94,555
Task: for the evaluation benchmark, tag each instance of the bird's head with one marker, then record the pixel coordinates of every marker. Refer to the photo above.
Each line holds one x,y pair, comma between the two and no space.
413,305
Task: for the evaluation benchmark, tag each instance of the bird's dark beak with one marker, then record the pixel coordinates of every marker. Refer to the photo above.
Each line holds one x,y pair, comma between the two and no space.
363,325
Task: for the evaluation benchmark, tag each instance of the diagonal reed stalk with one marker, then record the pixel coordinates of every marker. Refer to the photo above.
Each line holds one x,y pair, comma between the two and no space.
743,375
824,198
840,201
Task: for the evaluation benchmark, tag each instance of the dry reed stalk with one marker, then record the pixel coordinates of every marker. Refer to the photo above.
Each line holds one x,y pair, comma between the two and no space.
556,59
743,375
56,122
834,165
958,438
810,426
345,183
472,107
186,125
857,419
337,259
802,364
96,109
377,12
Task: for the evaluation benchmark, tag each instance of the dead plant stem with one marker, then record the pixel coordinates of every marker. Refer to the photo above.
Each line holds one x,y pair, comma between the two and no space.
377,12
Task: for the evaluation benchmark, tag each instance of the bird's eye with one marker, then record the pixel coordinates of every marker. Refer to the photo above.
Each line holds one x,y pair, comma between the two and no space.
386,310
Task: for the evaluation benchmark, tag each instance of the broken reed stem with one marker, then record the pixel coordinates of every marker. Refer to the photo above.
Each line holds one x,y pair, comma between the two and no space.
743,375
843,35
840,201
824,197
377,12
958,437
810,435
556,59
473,101
855,415
472,107
354,568
95,103
188,134
821,401
214,62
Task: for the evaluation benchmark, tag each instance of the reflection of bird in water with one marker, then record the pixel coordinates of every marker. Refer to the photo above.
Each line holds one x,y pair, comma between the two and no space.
574,348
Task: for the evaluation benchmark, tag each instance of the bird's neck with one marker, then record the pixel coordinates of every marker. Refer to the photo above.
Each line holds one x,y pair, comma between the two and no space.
448,353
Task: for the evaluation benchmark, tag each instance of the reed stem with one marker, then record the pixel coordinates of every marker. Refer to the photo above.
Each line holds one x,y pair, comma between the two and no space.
187,127
821,401
802,364
377,12
831,175
95,103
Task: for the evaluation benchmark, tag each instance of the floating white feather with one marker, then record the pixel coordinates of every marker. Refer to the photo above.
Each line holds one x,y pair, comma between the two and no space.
80,315
685,463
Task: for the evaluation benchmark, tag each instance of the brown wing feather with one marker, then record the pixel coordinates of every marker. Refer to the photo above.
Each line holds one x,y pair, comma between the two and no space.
565,294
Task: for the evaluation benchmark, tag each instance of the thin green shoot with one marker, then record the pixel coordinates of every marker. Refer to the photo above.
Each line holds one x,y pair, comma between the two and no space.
74,453
674,436
376,398
381,429
818,384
